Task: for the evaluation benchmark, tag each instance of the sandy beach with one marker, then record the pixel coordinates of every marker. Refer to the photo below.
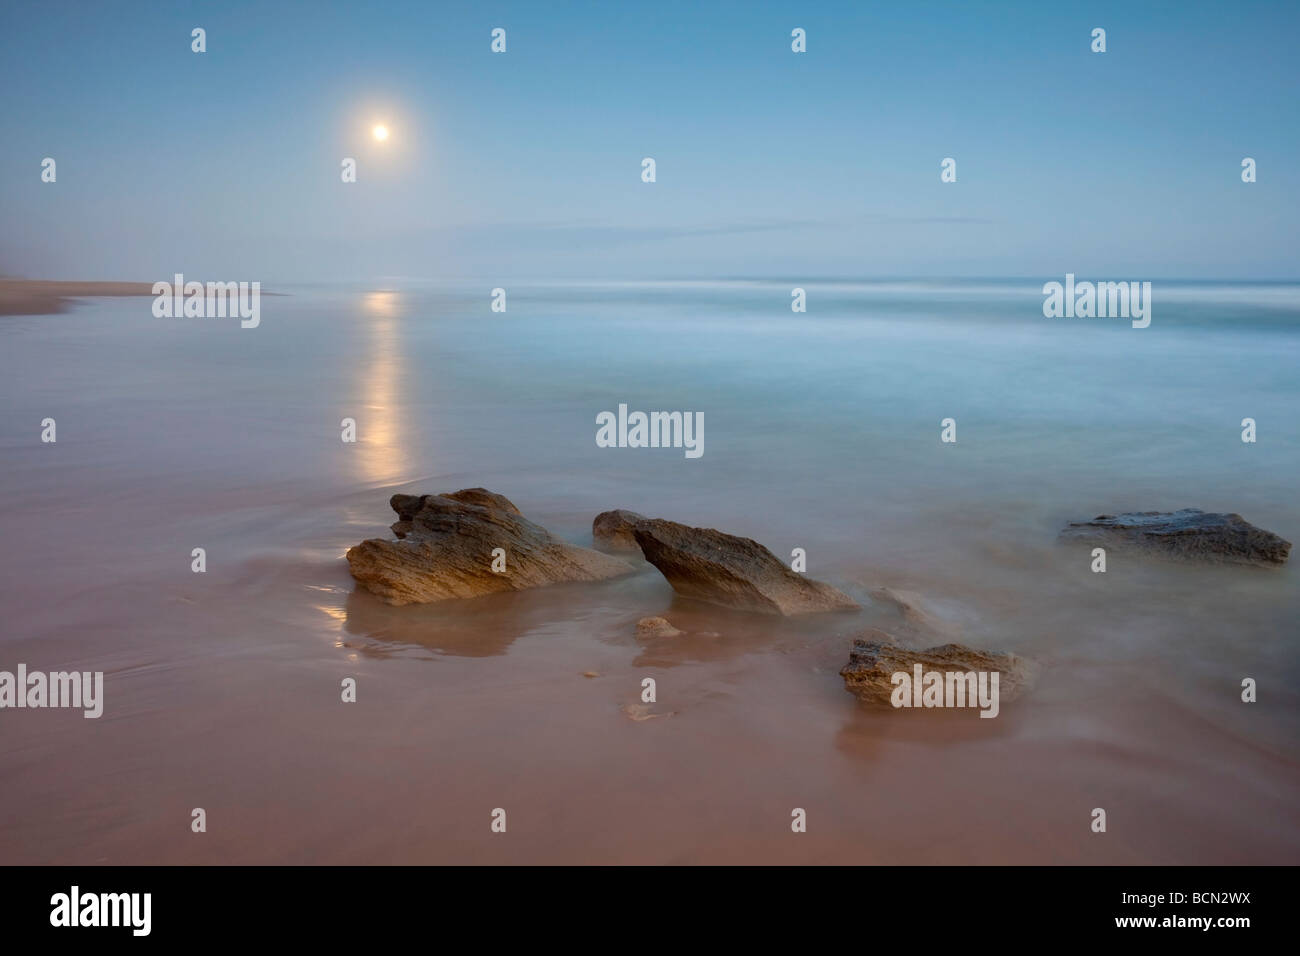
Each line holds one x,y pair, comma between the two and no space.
45,296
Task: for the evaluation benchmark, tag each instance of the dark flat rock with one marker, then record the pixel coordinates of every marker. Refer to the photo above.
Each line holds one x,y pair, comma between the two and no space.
1189,534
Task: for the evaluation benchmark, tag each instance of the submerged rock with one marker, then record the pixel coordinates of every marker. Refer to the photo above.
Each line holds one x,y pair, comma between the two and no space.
656,627
875,658
917,612
613,529
1191,534
734,572
445,550
639,712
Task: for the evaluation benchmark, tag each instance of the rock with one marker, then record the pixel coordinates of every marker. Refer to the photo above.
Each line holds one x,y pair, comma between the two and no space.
734,572
875,658
1191,534
656,627
445,551
613,529
640,712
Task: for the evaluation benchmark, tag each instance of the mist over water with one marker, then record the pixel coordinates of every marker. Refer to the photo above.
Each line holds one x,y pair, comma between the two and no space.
822,431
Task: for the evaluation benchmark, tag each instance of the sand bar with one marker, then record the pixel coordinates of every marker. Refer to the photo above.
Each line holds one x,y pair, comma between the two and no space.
46,296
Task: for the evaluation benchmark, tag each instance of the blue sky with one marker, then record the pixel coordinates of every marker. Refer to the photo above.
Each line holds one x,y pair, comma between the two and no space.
527,164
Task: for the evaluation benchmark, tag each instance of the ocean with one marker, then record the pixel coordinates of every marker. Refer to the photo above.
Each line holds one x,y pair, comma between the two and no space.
822,432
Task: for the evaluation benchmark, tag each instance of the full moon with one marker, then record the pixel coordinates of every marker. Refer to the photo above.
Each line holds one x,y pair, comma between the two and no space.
380,132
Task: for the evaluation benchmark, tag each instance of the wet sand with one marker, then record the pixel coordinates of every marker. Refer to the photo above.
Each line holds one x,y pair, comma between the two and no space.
223,692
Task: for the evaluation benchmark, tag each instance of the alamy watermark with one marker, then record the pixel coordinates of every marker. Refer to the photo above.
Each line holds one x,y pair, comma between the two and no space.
36,689
923,688
651,430
183,299
76,908
1113,300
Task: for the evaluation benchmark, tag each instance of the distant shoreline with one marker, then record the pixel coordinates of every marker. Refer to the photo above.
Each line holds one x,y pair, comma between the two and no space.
51,296
48,296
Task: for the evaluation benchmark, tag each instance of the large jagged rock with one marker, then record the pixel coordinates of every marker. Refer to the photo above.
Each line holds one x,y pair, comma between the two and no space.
1190,534
613,529
876,657
445,544
735,572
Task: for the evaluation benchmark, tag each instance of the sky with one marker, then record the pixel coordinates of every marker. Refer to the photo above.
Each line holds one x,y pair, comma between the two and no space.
769,163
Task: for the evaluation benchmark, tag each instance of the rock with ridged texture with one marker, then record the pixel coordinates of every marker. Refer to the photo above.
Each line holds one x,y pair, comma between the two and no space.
613,529
735,572
444,550
876,657
1190,534
656,627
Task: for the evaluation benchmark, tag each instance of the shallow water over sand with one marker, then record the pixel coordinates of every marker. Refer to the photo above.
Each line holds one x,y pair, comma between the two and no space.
822,432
